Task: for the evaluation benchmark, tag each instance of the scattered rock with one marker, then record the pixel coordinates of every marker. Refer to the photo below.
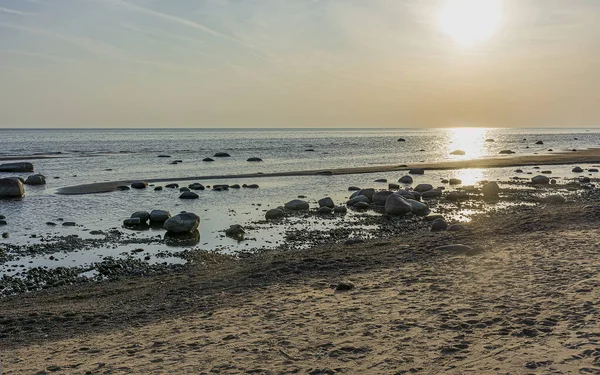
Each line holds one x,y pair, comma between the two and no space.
416,171
11,188
189,195
490,190
361,205
423,187
367,193
196,186
393,186
577,170
381,180
252,186
221,155
297,205
506,152
353,188
357,199
380,197
401,140
172,186
36,179
186,222
159,216
183,189
458,152
132,222
164,156
326,202
406,180
457,249
144,216
546,172
340,210
139,185
433,193
539,143
418,208
16,167
540,180
158,188
123,188
439,225
254,159
344,286
397,205
208,159
274,214
236,232
489,140
455,181
325,210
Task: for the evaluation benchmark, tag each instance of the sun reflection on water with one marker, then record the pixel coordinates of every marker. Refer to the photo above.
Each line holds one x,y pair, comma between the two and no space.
469,140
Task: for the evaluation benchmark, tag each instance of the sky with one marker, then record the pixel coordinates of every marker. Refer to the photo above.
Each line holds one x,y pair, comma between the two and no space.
299,63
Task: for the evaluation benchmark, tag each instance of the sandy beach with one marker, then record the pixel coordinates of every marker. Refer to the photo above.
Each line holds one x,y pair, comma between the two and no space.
523,300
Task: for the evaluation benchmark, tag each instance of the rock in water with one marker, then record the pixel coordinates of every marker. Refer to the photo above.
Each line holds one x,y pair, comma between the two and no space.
172,186
489,140
392,186
406,180
506,152
367,193
144,216
297,205
577,170
401,140
16,167
455,181
439,225
11,188
458,152
423,188
539,143
123,188
139,185
189,195
382,180
490,190
132,222
183,223
326,202
208,159
236,231
357,199
396,205
221,155
380,197
344,286
433,193
254,159
416,171
274,214
540,180
354,188
196,186
418,208
159,216
36,179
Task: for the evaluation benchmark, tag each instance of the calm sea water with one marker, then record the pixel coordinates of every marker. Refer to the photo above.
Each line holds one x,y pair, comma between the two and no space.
87,155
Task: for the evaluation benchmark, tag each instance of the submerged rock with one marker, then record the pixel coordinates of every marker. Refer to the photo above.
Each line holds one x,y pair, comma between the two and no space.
254,159
236,232
506,152
455,181
186,222
11,188
123,188
577,170
208,159
196,186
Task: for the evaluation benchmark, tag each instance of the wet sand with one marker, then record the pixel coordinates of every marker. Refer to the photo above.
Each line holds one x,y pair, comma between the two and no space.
526,303
557,158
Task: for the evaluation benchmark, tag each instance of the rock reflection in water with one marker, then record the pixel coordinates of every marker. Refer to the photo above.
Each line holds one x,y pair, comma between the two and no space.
182,239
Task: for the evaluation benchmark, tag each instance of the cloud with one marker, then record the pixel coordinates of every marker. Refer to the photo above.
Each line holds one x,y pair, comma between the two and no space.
16,12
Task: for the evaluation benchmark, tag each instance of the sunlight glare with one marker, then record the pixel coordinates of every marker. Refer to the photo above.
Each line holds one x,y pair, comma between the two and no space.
470,21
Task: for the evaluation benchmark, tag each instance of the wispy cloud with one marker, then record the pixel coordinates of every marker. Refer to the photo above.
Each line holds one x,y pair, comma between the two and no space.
16,12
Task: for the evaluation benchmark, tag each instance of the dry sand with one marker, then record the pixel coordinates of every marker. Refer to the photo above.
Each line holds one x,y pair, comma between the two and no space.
567,157
527,303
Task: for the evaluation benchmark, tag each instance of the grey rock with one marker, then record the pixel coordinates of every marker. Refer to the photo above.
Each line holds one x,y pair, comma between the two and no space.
159,216
297,205
16,167
416,171
326,202
490,190
252,186
439,225
11,188
234,186
254,159
144,216
158,188
380,197
367,193
132,222
184,189
340,209
540,180
406,180
221,155
354,188
274,214
344,286
123,188
36,179
423,187
236,231
434,193
539,143
357,199
325,210
186,222
506,152
456,228
208,159
418,208
172,186
455,181
577,170
397,205
393,186
361,205
189,195
196,186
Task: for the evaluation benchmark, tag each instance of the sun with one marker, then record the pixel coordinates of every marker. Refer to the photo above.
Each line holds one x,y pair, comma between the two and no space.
470,21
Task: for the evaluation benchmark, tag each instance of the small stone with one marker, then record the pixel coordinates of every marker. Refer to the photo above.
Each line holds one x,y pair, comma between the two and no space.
344,286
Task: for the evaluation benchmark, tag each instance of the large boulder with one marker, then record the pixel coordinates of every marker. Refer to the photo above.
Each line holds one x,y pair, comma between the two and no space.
396,205
357,199
406,179
11,188
16,167
418,208
540,180
297,205
326,202
490,190
380,197
159,216
186,222
35,179
423,188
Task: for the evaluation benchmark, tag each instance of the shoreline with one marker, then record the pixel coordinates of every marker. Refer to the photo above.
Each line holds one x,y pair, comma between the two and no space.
559,158
414,307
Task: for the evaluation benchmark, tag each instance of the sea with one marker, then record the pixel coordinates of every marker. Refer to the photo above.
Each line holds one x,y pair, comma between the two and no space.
70,157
